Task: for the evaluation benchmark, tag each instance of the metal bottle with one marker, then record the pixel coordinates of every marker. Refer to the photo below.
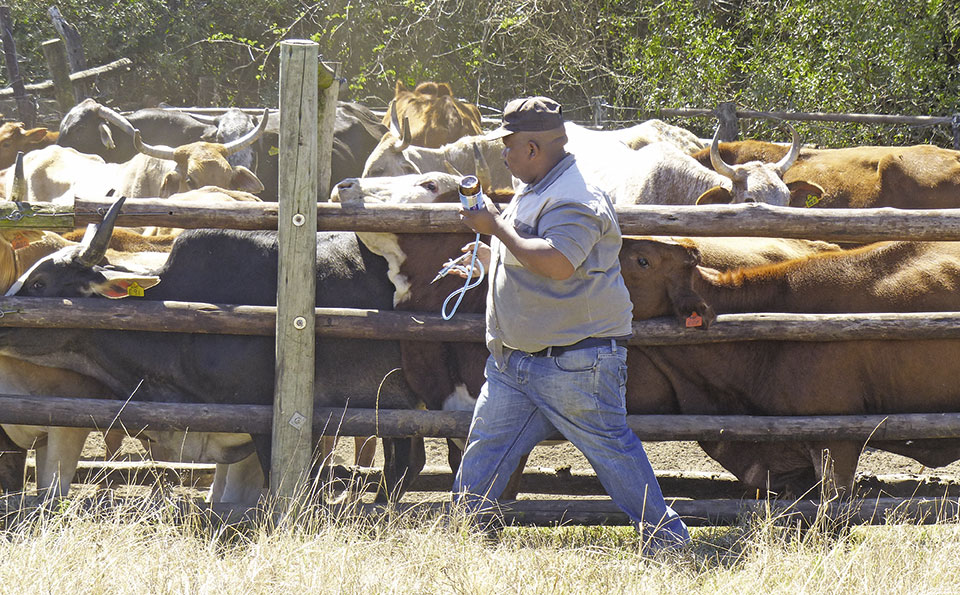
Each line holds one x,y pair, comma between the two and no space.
471,196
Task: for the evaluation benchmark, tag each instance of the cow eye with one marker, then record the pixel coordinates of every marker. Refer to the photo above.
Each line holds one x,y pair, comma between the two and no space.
430,186
643,262
37,285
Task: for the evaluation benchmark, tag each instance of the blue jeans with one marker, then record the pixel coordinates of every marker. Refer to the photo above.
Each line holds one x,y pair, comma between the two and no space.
581,393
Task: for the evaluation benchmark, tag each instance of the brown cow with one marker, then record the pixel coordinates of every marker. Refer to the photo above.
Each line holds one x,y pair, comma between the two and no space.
914,177
15,137
435,116
800,378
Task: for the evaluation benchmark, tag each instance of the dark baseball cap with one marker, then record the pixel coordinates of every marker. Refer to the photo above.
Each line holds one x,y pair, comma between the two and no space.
529,114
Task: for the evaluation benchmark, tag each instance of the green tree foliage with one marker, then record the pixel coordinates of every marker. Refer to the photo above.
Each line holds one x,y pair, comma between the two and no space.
863,56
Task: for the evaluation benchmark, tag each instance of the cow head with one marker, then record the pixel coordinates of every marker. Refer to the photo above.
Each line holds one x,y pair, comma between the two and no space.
409,189
436,117
74,271
205,164
15,137
660,277
754,181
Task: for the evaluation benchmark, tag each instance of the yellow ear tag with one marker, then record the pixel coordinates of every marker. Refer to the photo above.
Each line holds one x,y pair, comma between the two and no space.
812,200
20,241
134,290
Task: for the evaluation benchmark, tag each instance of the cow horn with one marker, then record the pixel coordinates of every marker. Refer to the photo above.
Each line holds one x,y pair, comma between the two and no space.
784,164
116,119
202,118
94,246
106,136
394,120
718,164
482,167
158,152
18,187
249,138
451,169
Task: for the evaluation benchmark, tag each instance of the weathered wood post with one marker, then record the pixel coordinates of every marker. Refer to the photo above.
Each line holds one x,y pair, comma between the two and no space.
26,109
729,125
71,37
56,54
296,293
329,87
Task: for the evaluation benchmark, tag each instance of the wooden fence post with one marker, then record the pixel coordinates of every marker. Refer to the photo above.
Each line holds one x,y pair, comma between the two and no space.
56,54
729,126
296,293
26,109
329,87
599,114
71,37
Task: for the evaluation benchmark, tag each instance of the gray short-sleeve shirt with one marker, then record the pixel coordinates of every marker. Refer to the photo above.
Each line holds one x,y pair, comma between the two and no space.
529,312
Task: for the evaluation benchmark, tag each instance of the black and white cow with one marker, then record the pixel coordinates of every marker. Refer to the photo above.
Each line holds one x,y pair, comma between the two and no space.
217,266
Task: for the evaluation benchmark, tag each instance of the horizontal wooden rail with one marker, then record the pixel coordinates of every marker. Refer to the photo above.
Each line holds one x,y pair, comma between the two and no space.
256,419
697,513
842,225
812,116
115,67
195,317
536,480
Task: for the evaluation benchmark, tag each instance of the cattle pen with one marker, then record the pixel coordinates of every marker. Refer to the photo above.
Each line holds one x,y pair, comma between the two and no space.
740,220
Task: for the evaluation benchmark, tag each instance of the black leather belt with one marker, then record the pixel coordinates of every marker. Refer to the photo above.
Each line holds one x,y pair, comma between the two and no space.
583,344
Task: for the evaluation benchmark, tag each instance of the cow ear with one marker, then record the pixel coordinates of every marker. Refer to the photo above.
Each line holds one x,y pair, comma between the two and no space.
120,284
35,135
246,180
804,194
718,195
171,184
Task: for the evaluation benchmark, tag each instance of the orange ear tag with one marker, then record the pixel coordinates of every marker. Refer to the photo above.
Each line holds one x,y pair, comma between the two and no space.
693,320
134,290
20,241
812,200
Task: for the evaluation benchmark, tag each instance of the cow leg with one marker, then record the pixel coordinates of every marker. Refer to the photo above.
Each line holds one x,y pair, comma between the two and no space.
215,494
263,443
243,481
836,464
57,460
12,461
403,460
327,444
512,488
364,450
454,453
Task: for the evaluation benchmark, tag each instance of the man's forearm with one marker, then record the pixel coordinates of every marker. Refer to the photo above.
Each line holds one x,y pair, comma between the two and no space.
535,254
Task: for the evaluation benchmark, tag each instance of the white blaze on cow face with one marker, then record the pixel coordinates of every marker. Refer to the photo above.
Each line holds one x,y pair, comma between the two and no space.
410,189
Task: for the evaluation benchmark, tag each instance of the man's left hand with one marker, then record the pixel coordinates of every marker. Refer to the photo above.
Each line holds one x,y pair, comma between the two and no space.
486,220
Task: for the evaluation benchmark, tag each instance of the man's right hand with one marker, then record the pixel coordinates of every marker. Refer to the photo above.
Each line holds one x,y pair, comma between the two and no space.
463,262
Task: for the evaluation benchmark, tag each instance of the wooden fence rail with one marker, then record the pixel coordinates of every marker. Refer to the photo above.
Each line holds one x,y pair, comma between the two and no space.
227,319
135,416
839,225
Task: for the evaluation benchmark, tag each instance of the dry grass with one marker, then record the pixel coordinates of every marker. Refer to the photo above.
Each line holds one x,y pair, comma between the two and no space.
148,547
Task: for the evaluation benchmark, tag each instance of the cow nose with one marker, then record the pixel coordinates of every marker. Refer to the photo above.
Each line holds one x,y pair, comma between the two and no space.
343,186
